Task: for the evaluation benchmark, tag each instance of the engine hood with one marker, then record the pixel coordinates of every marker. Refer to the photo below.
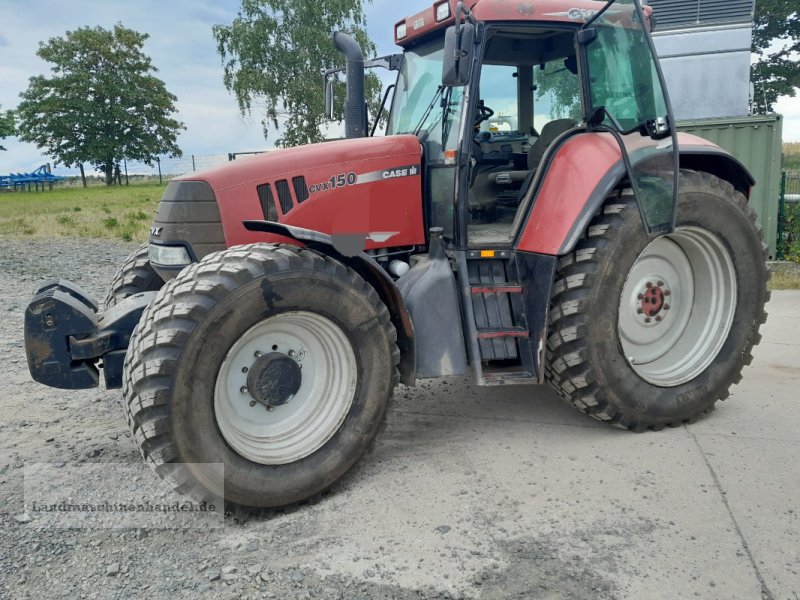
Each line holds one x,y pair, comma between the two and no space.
369,187
288,162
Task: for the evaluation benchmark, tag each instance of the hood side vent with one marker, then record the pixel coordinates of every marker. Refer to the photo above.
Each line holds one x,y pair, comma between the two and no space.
284,195
267,201
300,189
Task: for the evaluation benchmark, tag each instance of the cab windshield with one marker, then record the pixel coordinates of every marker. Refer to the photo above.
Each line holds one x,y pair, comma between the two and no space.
421,105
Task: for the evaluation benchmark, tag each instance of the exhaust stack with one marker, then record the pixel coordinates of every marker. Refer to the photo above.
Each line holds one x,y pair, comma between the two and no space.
355,110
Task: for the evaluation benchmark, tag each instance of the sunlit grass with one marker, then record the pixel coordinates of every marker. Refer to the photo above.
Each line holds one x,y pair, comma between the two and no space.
119,212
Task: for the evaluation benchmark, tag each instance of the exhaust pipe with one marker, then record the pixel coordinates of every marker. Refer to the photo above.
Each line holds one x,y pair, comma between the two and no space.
355,109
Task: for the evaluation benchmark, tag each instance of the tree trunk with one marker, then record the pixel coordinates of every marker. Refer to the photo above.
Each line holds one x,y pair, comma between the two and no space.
108,168
117,174
83,175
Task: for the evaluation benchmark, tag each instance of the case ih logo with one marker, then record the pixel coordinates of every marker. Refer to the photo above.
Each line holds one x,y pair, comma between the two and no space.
576,14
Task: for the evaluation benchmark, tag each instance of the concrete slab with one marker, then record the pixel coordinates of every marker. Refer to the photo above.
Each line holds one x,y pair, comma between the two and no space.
766,404
760,480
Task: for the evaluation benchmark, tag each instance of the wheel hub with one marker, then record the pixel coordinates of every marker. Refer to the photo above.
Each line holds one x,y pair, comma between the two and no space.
654,301
274,379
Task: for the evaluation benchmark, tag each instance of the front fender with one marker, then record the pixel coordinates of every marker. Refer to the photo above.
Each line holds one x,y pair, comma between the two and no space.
582,173
341,248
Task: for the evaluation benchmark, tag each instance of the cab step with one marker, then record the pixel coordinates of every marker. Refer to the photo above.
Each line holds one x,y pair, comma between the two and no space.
490,333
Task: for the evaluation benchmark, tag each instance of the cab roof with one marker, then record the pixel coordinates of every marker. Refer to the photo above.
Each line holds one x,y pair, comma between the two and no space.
564,11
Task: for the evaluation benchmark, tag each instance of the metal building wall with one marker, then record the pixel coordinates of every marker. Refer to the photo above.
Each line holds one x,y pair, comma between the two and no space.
756,142
704,47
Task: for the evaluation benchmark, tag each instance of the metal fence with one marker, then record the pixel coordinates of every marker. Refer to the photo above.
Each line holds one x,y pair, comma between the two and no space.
135,172
789,207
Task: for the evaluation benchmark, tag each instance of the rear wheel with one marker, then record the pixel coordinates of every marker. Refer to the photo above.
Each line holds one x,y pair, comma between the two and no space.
136,275
275,361
647,333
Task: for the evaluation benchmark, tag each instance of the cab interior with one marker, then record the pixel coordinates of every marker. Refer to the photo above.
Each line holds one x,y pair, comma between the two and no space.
529,96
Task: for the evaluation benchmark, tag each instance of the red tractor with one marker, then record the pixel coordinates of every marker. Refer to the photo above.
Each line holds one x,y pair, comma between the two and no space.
530,215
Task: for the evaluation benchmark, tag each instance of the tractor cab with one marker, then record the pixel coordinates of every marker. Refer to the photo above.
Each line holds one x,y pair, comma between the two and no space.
491,94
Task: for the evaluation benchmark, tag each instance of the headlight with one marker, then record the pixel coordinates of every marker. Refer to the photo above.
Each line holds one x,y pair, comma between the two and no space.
169,256
400,31
443,11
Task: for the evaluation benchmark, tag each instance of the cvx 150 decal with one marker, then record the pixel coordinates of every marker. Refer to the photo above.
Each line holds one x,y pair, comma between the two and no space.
345,179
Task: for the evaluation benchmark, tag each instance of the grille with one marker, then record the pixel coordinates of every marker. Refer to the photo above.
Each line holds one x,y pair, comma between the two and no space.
267,202
300,189
284,195
672,14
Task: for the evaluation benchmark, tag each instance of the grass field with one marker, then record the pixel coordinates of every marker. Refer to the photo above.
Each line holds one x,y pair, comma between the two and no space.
122,213
791,156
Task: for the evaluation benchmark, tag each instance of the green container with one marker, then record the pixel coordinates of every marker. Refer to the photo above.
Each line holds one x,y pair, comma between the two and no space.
756,142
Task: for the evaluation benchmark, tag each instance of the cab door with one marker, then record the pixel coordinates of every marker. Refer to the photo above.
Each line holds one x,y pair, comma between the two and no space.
625,94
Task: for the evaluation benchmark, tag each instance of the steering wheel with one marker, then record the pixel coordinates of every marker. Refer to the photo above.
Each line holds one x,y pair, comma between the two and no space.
484,114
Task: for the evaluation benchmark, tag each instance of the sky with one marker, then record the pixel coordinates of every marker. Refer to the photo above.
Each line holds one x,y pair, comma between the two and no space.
182,48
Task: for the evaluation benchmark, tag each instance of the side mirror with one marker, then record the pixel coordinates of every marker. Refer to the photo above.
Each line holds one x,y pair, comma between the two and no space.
329,98
459,49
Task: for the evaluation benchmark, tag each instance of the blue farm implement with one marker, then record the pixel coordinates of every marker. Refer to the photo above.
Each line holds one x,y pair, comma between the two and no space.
22,181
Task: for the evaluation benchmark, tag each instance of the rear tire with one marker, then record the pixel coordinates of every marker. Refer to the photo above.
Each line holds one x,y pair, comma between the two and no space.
188,390
136,275
617,350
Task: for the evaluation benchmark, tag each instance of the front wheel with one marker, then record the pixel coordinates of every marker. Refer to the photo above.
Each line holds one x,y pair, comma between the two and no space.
647,333
136,275
275,361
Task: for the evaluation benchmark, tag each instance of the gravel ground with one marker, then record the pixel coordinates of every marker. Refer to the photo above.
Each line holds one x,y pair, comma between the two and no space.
495,493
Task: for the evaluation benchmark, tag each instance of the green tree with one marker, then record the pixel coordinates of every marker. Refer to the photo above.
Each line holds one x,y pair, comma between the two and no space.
274,53
776,44
6,125
101,104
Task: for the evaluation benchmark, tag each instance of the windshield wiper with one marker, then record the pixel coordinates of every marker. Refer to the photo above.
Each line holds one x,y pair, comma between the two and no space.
428,110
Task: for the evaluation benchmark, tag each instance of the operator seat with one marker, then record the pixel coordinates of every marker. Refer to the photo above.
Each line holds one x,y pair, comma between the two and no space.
485,188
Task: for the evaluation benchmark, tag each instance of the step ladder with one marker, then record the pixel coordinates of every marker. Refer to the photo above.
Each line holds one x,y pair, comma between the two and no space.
495,324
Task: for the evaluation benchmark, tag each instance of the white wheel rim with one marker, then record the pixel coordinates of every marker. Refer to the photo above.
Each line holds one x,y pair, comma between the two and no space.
677,306
287,433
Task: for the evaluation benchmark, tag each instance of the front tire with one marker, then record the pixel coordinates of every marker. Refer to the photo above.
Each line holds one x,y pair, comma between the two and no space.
276,361
651,333
136,275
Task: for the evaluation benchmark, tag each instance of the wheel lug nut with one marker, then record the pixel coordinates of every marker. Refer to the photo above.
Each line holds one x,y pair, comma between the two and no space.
660,283
639,311
666,307
291,352
243,389
244,369
659,318
640,296
257,354
667,293
270,408
648,285
647,320
252,402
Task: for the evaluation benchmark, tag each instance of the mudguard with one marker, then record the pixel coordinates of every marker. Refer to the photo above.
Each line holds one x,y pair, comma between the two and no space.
345,249
585,170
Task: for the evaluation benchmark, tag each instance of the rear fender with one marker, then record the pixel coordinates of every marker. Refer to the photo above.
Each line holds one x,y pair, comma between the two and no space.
342,249
586,169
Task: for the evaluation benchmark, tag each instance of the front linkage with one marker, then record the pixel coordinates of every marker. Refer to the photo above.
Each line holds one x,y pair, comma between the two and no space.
67,337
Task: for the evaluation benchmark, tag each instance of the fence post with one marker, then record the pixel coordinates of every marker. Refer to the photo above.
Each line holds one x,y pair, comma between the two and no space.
125,160
781,217
193,167
158,160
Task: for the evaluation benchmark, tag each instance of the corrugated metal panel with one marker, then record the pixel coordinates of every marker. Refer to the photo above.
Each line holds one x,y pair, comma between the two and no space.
671,14
756,142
